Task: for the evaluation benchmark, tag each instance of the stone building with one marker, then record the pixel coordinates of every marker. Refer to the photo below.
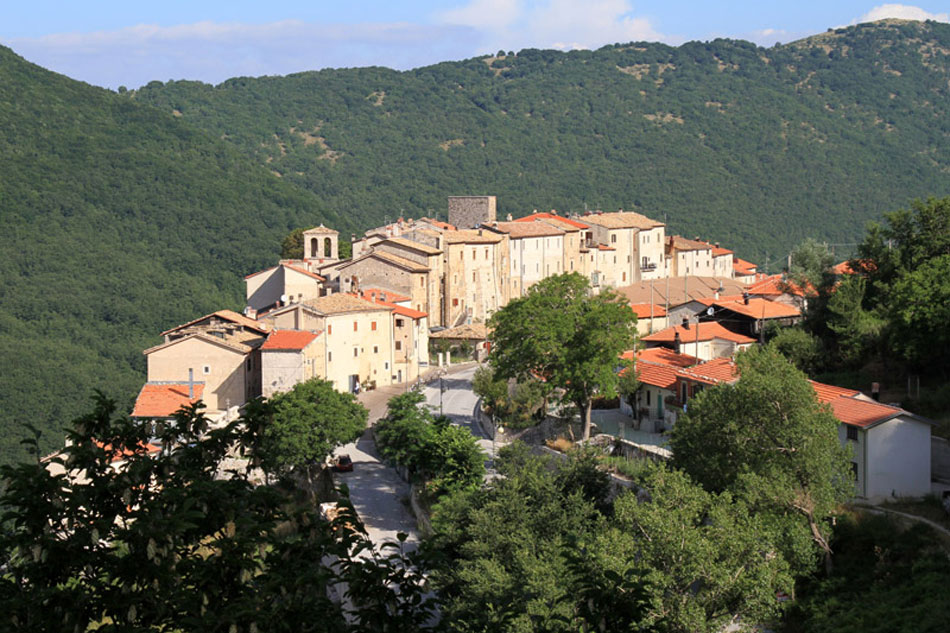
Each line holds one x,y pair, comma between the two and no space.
535,252
468,212
290,357
638,244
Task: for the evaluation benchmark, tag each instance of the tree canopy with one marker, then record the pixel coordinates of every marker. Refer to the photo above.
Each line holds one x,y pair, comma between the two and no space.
767,440
561,333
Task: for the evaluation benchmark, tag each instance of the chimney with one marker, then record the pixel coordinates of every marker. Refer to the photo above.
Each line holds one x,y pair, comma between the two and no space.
509,217
191,383
745,297
876,391
716,295
553,211
717,244
677,342
685,323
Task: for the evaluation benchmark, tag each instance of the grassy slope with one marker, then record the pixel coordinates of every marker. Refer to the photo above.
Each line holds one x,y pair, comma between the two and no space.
757,148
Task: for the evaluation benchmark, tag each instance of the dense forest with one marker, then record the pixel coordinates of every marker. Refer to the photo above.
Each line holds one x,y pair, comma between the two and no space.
754,147
125,214
118,222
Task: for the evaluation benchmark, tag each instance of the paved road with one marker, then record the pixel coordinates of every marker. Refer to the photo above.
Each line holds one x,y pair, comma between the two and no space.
458,404
379,495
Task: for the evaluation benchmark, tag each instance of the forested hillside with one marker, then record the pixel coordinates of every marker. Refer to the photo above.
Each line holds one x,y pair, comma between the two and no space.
117,222
754,147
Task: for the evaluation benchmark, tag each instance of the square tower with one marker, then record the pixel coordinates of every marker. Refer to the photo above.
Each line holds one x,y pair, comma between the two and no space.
467,212
321,243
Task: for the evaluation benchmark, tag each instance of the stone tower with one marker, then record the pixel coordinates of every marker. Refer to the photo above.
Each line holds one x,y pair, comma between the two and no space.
321,243
467,212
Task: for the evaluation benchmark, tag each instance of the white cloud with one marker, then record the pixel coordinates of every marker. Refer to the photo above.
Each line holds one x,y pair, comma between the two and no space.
214,51
901,11
563,24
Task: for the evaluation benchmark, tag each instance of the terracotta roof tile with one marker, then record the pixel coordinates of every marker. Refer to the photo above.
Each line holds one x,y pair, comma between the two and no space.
227,315
342,303
664,356
164,400
410,244
472,236
759,308
679,243
473,331
743,267
372,294
719,369
707,331
646,310
289,340
566,224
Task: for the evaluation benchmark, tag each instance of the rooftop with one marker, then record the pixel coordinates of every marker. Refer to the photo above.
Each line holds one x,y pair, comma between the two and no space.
163,400
471,331
679,243
622,220
566,224
680,289
758,308
416,246
223,315
705,331
743,267
472,236
289,340
402,262
372,294
342,303
518,230
648,310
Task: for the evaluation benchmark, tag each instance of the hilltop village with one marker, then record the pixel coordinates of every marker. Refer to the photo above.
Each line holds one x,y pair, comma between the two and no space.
367,321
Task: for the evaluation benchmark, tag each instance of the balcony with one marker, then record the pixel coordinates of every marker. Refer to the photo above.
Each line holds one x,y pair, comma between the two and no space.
647,267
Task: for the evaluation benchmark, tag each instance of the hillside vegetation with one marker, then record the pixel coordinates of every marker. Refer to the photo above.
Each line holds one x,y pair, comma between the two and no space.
754,147
118,221
125,214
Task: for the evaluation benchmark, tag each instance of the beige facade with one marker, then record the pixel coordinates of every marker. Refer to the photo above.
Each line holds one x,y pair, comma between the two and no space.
321,244
230,371
357,334
265,289
689,257
638,244
476,275
535,252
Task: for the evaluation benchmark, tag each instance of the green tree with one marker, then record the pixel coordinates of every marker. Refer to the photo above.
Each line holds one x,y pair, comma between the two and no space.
110,536
767,440
307,423
292,245
811,264
628,385
800,348
704,560
570,338
919,314
856,331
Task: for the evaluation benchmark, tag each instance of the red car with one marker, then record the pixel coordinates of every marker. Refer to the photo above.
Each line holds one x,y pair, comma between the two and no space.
343,464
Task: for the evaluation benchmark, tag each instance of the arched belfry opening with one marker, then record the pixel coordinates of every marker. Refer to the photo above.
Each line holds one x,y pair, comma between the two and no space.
322,243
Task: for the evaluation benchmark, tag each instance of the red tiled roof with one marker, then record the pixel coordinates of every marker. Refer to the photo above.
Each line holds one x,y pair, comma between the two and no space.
664,356
517,230
707,331
720,369
118,455
162,401
862,413
775,285
743,267
553,216
827,393
657,375
287,340
398,309
758,308
645,310
442,225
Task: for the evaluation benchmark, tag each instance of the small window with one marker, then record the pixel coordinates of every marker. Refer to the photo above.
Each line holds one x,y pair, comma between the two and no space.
398,345
473,254
372,326
852,433
356,352
386,365
486,253
455,302
473,276
376,349
399,322
625,277
206,369
329,356
355,326
329,329
648,397
613,239
422,282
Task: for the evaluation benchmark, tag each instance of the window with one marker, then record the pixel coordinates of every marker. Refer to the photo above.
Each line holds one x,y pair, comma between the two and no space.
613,239
398,345
455,302
329,329
329,357
249,363
372,326
376,349
355,326
422,282
206,370
648,397
356,352
852,433
473,254
625,277
399,322
473,276
486,253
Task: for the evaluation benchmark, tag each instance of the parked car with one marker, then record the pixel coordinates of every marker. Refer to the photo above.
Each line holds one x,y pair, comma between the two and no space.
343,464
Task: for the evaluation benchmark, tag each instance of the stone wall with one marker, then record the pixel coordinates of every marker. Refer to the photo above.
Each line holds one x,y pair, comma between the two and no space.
467,212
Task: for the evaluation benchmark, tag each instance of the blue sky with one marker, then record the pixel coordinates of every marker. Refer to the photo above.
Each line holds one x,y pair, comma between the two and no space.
112,43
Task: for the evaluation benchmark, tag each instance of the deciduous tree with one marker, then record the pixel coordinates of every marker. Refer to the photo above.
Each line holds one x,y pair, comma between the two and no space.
565,335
